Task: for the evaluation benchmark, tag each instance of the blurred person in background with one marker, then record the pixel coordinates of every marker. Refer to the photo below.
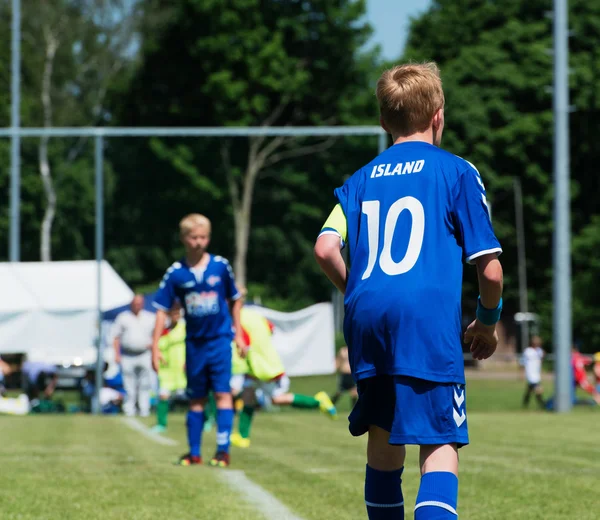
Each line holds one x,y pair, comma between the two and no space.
39,380
597,370
8,405
132,333
4,369
171,378
579,362
266,373
346,382
532,363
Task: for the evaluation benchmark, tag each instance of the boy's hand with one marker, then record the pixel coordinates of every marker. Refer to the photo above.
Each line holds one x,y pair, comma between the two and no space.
483,339
157,358
241,346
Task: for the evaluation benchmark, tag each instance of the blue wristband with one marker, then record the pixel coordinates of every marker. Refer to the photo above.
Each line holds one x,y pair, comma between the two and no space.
488,316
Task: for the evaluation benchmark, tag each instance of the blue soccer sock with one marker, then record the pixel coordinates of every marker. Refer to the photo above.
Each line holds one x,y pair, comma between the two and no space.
438,496
224,426
383,494
195,425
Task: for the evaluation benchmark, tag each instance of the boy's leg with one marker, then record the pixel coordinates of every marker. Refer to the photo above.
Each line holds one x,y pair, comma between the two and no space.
129,384
247,413
162,408
527,395
383,480
197,390
224,420
195,425
241,438
539,397
145,374
281,396
354,396
210,412
438,492
339,391
220,377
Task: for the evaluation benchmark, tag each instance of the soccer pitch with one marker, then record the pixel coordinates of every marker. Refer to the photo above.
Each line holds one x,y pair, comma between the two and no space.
526,465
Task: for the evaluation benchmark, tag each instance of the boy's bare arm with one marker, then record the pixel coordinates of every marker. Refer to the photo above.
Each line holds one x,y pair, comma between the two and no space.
159,326
483,337
490,276
329,257
235,308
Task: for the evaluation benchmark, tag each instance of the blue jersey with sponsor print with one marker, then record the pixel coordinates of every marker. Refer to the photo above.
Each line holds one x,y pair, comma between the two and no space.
203,294
413,215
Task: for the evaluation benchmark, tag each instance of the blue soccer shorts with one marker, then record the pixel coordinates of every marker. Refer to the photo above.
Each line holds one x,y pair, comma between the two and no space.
207,366
413,411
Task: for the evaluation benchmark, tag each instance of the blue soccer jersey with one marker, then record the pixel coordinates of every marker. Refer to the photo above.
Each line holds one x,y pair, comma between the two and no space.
203,294
413,215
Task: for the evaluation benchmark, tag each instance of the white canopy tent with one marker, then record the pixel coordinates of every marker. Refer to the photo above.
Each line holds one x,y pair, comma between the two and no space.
48,310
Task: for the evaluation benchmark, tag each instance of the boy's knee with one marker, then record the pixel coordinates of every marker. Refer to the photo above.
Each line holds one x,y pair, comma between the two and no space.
223,399
381,455
197,405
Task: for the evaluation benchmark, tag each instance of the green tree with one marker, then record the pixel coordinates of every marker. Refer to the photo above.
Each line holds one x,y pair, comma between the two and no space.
254,63
497,71
71,51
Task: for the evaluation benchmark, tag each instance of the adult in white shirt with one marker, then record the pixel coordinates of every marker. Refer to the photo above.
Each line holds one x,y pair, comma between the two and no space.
132,342
532,362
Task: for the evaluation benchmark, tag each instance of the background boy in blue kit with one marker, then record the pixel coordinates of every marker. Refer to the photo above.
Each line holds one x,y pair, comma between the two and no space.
205,285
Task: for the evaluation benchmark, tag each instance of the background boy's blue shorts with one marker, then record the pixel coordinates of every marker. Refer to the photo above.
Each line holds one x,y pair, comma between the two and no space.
414,411
207,366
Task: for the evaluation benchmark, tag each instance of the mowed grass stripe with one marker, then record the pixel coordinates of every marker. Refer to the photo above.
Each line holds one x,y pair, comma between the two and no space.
75,467
526,465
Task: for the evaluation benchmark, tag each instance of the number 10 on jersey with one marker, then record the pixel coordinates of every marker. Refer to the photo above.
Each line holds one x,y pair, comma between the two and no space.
371,208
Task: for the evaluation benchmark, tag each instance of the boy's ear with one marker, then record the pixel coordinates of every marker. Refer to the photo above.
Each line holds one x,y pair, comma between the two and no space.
438,119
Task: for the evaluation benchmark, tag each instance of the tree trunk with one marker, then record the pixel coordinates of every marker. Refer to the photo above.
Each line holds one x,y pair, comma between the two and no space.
242,211
259,157
44,163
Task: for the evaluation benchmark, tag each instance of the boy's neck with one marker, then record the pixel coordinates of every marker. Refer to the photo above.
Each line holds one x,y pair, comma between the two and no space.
426,137
197,260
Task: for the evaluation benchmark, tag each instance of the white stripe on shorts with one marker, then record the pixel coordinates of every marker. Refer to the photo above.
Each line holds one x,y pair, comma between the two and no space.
372,504
436,504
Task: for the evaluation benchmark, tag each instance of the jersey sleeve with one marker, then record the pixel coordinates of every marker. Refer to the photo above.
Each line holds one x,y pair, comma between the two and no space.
231,290
336,224
473,218
165,296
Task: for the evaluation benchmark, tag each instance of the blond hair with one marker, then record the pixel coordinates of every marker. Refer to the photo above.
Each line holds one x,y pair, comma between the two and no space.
409,96
191,221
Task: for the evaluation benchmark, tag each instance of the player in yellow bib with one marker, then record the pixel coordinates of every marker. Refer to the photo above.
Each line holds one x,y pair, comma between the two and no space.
266,371
172,370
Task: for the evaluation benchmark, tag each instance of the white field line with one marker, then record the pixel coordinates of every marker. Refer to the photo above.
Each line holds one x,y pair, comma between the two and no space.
262,500
267,504
140,427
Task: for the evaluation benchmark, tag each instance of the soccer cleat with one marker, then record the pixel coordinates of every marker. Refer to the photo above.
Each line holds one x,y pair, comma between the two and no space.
158,428
188,460
220,460
326,406
238,441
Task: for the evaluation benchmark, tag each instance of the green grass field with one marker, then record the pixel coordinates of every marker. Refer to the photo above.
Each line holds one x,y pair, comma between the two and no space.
523,465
